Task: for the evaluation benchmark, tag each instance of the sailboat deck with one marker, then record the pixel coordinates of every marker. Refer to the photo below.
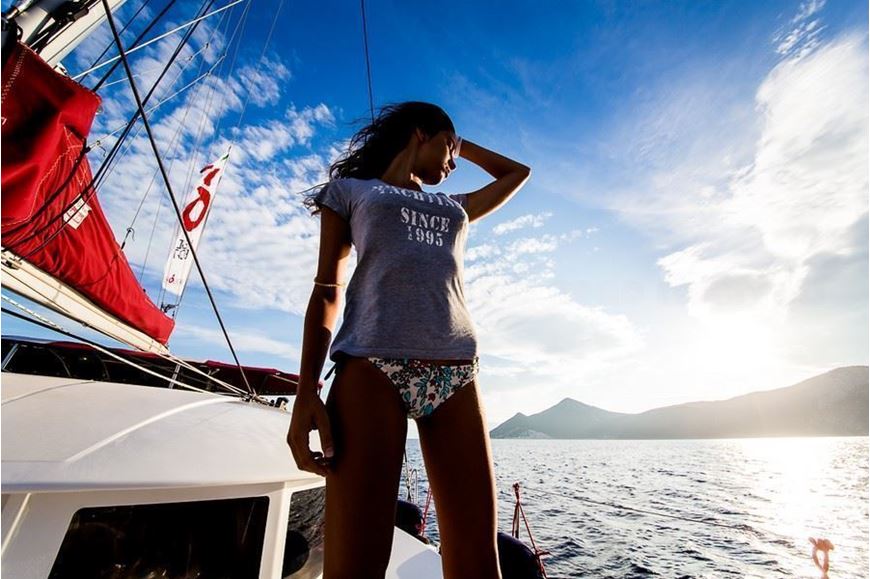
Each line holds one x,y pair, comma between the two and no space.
70,434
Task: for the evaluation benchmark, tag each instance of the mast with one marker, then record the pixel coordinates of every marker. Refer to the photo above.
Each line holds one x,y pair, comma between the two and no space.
74,21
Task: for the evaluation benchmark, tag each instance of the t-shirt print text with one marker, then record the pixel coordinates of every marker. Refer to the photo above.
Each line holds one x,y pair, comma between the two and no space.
422,227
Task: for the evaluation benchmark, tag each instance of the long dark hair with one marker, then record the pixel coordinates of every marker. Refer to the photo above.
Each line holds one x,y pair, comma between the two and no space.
373,148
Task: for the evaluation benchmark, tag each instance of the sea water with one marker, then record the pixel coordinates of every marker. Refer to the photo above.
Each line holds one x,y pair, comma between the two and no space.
683,508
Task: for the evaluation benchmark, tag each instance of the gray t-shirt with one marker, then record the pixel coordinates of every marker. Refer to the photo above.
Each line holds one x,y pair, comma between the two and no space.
405,298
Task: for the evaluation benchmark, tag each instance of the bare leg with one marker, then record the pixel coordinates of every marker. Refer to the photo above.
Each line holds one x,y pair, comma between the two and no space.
369,428
456,450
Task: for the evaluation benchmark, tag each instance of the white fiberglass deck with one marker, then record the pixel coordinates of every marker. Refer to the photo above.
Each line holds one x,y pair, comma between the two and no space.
67,434
70,444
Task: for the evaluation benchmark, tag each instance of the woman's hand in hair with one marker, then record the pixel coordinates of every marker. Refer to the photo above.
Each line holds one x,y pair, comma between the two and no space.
509,175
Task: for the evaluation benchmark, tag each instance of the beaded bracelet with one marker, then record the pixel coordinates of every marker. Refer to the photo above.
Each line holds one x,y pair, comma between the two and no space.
328,284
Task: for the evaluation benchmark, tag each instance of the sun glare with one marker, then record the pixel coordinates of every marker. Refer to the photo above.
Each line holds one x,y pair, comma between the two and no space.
798,472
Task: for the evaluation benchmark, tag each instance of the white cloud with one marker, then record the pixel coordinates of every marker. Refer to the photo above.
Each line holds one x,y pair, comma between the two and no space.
806,187
482,251
261,82
260,240
265,141
543,329
804,36
528,220
527,327
807,9
748,202
808,182
759,216
543,244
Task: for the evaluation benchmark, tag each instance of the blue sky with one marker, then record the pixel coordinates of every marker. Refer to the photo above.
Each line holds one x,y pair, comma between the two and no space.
695,226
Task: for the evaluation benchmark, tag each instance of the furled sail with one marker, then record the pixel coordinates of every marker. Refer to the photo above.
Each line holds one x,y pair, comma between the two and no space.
53,228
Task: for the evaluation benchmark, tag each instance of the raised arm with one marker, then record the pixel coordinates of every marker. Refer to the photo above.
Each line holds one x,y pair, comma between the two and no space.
509,177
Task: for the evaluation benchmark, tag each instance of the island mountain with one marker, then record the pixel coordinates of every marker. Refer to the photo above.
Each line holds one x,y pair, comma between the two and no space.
832,404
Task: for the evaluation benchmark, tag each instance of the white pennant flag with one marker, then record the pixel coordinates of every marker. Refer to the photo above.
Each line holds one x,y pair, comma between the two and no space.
193,215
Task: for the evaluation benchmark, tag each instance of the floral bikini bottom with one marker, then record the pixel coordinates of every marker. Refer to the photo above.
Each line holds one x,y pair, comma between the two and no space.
423,385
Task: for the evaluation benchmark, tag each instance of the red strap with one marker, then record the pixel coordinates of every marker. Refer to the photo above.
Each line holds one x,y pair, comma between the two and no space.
426,509
518,510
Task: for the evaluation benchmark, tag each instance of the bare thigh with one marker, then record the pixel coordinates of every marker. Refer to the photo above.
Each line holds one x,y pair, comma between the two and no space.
456,450
369,428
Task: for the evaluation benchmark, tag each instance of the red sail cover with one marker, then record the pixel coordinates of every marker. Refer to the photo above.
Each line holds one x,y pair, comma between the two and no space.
50,213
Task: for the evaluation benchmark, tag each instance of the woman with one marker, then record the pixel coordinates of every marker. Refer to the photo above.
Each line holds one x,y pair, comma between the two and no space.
406,347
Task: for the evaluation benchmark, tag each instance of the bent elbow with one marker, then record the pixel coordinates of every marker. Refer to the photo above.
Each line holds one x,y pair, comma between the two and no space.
524,171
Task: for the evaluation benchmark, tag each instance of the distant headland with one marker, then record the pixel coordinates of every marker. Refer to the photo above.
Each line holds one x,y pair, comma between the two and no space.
832,404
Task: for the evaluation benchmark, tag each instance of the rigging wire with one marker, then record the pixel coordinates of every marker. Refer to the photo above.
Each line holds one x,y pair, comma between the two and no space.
109,162
153,228
368,63
260,62
90,189
107,165
115,156
166,180
185,87
173,148
368,77
206,114
137,75
157,38
110,44
44,322
156,68
240,25
362,4
192,165
163,101
52,326
101,173
200,131
138,38
204,118
177,306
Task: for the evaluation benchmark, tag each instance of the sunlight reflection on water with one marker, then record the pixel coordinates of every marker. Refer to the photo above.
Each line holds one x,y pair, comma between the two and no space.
771,495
